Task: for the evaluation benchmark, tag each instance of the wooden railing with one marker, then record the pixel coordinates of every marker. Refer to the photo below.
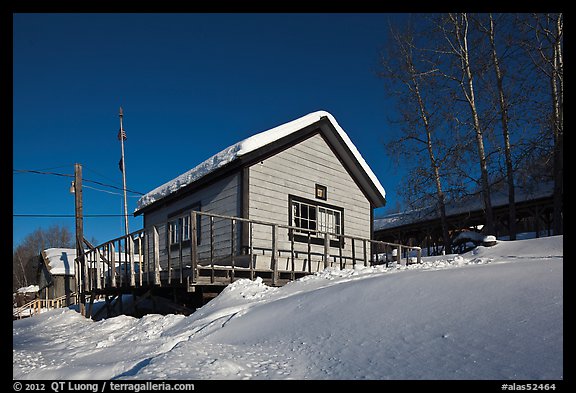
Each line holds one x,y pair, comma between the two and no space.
38,305
216,243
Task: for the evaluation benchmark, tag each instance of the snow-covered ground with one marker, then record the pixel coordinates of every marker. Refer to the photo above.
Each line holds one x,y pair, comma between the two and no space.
493,313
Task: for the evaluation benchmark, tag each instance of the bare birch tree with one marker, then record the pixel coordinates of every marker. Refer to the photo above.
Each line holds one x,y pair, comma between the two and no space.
503,108
455,31
545,46
403,69
484,87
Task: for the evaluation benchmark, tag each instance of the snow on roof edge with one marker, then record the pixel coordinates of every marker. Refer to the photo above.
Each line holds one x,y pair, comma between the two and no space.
248,145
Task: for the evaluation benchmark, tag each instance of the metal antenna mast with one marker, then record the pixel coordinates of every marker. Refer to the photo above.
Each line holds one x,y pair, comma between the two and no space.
122,138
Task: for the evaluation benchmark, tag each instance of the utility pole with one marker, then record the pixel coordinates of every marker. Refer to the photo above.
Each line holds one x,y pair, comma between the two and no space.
79,268
122,138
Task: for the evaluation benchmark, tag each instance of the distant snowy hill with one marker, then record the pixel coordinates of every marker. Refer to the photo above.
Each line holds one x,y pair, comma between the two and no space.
493,313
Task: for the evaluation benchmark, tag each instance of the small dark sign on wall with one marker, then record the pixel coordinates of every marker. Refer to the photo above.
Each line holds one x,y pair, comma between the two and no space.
321,192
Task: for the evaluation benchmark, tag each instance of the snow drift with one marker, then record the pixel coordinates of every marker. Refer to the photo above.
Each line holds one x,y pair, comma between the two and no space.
493,313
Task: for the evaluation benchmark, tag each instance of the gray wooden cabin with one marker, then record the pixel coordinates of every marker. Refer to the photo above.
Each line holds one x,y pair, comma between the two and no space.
306,174
56,273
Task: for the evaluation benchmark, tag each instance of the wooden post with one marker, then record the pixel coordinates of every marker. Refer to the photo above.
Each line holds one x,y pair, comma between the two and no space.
112,252
181,265
147,243
340,253
90,305
120,261
98,270
251,249
326,249
274,260
156,256
140,257
309,254
353,254
232,253
169,229
76,281
194,246
132,265
80,236
293,267
105,262
212,249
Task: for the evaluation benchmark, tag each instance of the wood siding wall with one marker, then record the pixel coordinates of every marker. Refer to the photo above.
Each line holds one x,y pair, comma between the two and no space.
296,171
61,285
221,197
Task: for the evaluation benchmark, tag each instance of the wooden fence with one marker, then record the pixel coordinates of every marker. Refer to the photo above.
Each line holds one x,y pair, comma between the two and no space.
39,305
226,253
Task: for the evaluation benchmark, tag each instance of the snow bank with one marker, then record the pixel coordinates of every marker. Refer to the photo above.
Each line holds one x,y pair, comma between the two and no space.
249,145
493,313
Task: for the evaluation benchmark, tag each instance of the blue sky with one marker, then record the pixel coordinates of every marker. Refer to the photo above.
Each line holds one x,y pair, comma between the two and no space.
190,85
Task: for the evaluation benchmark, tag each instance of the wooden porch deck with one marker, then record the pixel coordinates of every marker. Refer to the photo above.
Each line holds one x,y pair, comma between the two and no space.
190,274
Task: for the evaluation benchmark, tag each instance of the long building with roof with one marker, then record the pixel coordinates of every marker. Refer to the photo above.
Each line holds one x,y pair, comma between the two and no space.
422,227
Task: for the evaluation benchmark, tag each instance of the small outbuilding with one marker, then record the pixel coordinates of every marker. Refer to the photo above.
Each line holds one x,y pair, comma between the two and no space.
56,273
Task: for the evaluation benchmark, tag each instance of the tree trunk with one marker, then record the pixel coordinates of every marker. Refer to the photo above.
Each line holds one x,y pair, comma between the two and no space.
433,164
505,134
468,89
557,113
411,80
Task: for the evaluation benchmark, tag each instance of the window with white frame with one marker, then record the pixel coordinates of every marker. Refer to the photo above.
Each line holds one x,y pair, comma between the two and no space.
180,228
174,231
329,220
304,215
185,227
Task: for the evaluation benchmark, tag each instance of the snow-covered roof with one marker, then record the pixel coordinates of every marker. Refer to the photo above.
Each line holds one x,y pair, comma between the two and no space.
29,289
60,260
466,205
249,145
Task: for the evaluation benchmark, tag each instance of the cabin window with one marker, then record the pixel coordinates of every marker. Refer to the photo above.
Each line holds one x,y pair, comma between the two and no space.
329,220
174,232
186,228
304,215
180,228
311,216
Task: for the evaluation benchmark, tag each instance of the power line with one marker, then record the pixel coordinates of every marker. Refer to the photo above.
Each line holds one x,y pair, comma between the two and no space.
100,174
108,192
41,172
69,215
68,175
111,186
88,169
